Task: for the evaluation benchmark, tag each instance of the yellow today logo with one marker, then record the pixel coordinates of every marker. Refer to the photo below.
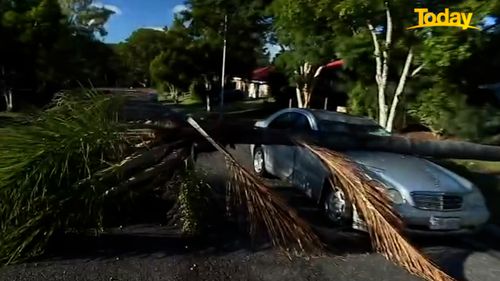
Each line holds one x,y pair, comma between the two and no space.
454,19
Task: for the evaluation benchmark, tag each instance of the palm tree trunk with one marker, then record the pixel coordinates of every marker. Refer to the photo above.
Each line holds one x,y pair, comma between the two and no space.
238,134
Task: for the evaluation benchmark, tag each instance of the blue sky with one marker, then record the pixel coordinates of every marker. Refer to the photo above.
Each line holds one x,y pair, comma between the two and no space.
133,14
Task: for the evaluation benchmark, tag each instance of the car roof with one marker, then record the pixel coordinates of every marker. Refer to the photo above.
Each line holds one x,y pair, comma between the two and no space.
336,116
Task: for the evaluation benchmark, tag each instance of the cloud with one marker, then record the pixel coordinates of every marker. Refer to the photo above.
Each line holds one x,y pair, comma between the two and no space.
179,8
273,50
158,28
113,8
489,21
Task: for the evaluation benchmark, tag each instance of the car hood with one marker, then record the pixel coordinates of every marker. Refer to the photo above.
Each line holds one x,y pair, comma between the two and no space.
409,173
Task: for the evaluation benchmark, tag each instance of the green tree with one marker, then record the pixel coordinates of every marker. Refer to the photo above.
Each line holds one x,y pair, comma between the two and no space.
376,30
138,51
26,57
307,41
192,57
247,31
41,52
186,63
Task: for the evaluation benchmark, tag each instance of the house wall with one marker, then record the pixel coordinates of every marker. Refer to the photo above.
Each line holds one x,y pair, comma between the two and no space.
252,89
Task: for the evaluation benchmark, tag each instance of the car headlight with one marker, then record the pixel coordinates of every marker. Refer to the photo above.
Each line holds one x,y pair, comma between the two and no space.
396,197
475,199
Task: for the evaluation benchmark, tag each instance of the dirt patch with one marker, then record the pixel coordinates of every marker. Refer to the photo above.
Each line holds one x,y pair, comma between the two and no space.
421,136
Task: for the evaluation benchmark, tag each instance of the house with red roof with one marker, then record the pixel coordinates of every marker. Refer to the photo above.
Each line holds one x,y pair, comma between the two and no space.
258,84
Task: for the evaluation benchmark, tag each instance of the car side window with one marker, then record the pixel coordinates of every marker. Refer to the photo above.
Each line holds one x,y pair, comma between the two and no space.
301,123
282,122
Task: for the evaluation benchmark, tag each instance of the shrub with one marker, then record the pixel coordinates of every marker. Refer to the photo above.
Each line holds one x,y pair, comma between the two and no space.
444,109
194,203
362,100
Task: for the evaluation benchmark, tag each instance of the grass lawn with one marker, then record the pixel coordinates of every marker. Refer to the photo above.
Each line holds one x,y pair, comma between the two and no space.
10,114
481,166
6,117
486,176
255,108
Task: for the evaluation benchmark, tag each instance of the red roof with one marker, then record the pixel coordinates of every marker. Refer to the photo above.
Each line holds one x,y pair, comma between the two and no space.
335,64
262,74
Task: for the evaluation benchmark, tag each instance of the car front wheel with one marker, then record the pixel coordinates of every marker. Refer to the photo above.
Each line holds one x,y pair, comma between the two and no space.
336,207
259,165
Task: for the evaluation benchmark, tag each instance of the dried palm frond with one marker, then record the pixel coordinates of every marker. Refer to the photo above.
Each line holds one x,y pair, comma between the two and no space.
285,228
374,206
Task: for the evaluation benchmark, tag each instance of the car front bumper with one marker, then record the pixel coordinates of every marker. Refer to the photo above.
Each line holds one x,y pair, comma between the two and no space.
417,221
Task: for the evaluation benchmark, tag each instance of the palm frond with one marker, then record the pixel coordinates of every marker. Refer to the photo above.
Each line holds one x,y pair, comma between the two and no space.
46,167
285,228
374,205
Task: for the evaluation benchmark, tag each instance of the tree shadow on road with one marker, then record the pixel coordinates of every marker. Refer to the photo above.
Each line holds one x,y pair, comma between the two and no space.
144,240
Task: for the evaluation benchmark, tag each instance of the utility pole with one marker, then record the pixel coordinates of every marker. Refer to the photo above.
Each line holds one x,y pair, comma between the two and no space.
223,80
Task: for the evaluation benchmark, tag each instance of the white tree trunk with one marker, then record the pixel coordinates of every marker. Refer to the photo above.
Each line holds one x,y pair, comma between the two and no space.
208,103
399,90
382,60
378,77
208,87
417,70
304,92
7,94
300,104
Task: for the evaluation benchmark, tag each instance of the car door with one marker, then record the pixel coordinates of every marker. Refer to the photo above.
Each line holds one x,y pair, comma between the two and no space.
280,157
308,171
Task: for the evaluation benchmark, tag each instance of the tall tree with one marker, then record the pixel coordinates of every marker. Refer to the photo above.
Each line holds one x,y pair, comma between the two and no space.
247,30
139,50
30,30
41,52
176,63
307,42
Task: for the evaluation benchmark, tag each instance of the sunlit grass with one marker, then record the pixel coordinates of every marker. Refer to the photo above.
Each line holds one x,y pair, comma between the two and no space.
481,166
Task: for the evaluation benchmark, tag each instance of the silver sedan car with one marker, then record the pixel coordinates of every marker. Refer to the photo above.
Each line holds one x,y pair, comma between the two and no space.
428,197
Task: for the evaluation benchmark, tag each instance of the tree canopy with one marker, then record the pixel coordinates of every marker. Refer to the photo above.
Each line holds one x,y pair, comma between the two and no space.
42,51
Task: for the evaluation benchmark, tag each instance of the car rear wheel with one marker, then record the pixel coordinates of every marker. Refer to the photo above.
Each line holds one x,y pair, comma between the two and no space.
259,164
336,207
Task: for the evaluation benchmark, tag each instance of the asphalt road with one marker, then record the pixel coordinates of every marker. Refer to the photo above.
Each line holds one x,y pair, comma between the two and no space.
155,253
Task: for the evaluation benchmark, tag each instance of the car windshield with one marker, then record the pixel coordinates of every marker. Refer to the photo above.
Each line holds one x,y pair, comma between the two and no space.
349,128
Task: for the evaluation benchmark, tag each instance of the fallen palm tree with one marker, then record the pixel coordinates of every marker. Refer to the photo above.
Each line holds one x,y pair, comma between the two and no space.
61,170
